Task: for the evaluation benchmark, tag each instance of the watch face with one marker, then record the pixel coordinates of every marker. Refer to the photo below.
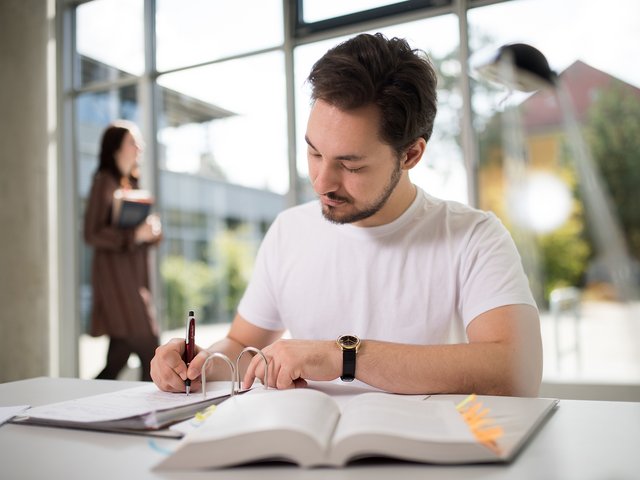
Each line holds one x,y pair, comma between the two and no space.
348,341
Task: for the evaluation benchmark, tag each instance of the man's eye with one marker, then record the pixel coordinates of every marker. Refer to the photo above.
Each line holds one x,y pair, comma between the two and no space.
353,170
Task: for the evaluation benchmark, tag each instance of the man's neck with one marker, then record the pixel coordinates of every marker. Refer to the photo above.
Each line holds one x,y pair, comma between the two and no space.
400,200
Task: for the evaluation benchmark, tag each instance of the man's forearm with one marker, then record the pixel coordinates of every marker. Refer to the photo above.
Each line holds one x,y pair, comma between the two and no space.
483,368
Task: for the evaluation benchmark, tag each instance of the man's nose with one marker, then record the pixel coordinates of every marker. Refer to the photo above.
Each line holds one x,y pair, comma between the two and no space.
327,178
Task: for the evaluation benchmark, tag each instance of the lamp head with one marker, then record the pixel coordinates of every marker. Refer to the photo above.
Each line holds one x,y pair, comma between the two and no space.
530,70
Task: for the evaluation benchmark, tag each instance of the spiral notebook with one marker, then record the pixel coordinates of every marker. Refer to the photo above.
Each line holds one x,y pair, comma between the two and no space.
141,410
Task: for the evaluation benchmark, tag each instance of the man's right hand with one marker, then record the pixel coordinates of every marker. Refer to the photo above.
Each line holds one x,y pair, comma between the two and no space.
169,371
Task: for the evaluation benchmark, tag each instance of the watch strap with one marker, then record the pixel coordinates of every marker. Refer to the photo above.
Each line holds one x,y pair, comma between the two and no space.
348,365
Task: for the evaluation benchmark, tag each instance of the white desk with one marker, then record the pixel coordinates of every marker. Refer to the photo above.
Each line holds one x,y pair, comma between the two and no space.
581,440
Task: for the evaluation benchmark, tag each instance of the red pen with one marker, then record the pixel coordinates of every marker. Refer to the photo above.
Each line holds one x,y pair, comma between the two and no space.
189,346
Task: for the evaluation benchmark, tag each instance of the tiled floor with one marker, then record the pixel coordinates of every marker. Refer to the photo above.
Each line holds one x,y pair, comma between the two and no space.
608,339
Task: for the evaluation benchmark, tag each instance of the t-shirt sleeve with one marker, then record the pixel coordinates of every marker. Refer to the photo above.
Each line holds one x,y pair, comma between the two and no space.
491,271
259,304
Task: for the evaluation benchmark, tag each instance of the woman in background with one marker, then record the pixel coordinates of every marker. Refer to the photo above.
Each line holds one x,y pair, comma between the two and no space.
122,303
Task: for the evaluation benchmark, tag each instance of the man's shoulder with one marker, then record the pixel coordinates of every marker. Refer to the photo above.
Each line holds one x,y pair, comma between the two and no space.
455,213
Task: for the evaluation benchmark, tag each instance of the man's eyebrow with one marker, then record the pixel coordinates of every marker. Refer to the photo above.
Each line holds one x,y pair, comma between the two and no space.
346,158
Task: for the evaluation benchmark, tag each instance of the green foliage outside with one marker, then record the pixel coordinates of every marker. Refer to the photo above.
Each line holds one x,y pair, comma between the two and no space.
234,255
564,254
613,134
189,285
212,290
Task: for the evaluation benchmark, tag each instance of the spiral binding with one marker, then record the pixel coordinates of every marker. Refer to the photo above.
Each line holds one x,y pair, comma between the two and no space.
235,370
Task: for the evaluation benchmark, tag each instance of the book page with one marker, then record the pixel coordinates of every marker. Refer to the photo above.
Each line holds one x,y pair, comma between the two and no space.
407,417
126,403
308,411
293,425
7,413
518,416
135,194
342,392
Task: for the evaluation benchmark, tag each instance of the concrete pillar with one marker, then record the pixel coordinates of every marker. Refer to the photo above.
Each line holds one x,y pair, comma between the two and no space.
24,142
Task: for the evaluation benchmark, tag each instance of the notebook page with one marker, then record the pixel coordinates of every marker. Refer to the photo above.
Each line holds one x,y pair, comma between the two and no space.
120,404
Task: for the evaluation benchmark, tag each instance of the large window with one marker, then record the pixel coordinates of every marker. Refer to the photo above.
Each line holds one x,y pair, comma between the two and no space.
549,186
203,30
218,138
103,54
219,91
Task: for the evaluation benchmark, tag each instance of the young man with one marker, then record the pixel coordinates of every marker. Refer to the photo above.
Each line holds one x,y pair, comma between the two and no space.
433,292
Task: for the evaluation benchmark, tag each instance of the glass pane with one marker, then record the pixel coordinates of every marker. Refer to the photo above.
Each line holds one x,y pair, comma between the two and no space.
94,111
223,179
110,40
317,10
533,169
236,122
441,171
199,31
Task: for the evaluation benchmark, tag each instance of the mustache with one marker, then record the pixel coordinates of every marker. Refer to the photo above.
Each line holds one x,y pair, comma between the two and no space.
337,198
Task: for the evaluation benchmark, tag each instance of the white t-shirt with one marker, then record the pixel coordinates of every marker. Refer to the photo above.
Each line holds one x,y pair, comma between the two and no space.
420,279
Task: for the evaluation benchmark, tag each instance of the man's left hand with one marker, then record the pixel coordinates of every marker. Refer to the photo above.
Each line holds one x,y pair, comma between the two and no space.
292,362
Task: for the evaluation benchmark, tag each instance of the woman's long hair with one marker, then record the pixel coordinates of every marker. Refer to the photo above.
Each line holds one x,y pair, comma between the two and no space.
111,142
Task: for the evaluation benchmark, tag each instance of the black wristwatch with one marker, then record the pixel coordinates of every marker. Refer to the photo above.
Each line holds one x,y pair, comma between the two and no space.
349,345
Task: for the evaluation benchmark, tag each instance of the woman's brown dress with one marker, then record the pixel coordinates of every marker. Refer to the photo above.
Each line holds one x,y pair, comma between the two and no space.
122,303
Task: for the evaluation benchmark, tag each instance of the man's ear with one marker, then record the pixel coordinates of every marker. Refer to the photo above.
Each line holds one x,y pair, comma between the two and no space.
414,154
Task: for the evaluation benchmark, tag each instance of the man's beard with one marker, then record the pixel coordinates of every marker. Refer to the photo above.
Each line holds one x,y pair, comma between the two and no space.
370,210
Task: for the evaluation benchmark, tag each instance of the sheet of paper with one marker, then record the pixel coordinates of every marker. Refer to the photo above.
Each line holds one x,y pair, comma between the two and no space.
125,403
7,413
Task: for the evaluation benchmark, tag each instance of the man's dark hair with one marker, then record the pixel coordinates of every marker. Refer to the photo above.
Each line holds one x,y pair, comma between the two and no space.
371,69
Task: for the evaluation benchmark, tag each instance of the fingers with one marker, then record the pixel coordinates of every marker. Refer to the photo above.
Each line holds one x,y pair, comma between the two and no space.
256,369
250,374
300,383
286,378
168,371
195,369
280,376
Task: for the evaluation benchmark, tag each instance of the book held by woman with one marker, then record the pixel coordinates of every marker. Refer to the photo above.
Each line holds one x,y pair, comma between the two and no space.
131,207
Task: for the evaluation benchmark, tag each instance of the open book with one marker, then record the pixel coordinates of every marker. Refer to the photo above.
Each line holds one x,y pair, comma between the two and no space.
143,409
130,207
309,428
